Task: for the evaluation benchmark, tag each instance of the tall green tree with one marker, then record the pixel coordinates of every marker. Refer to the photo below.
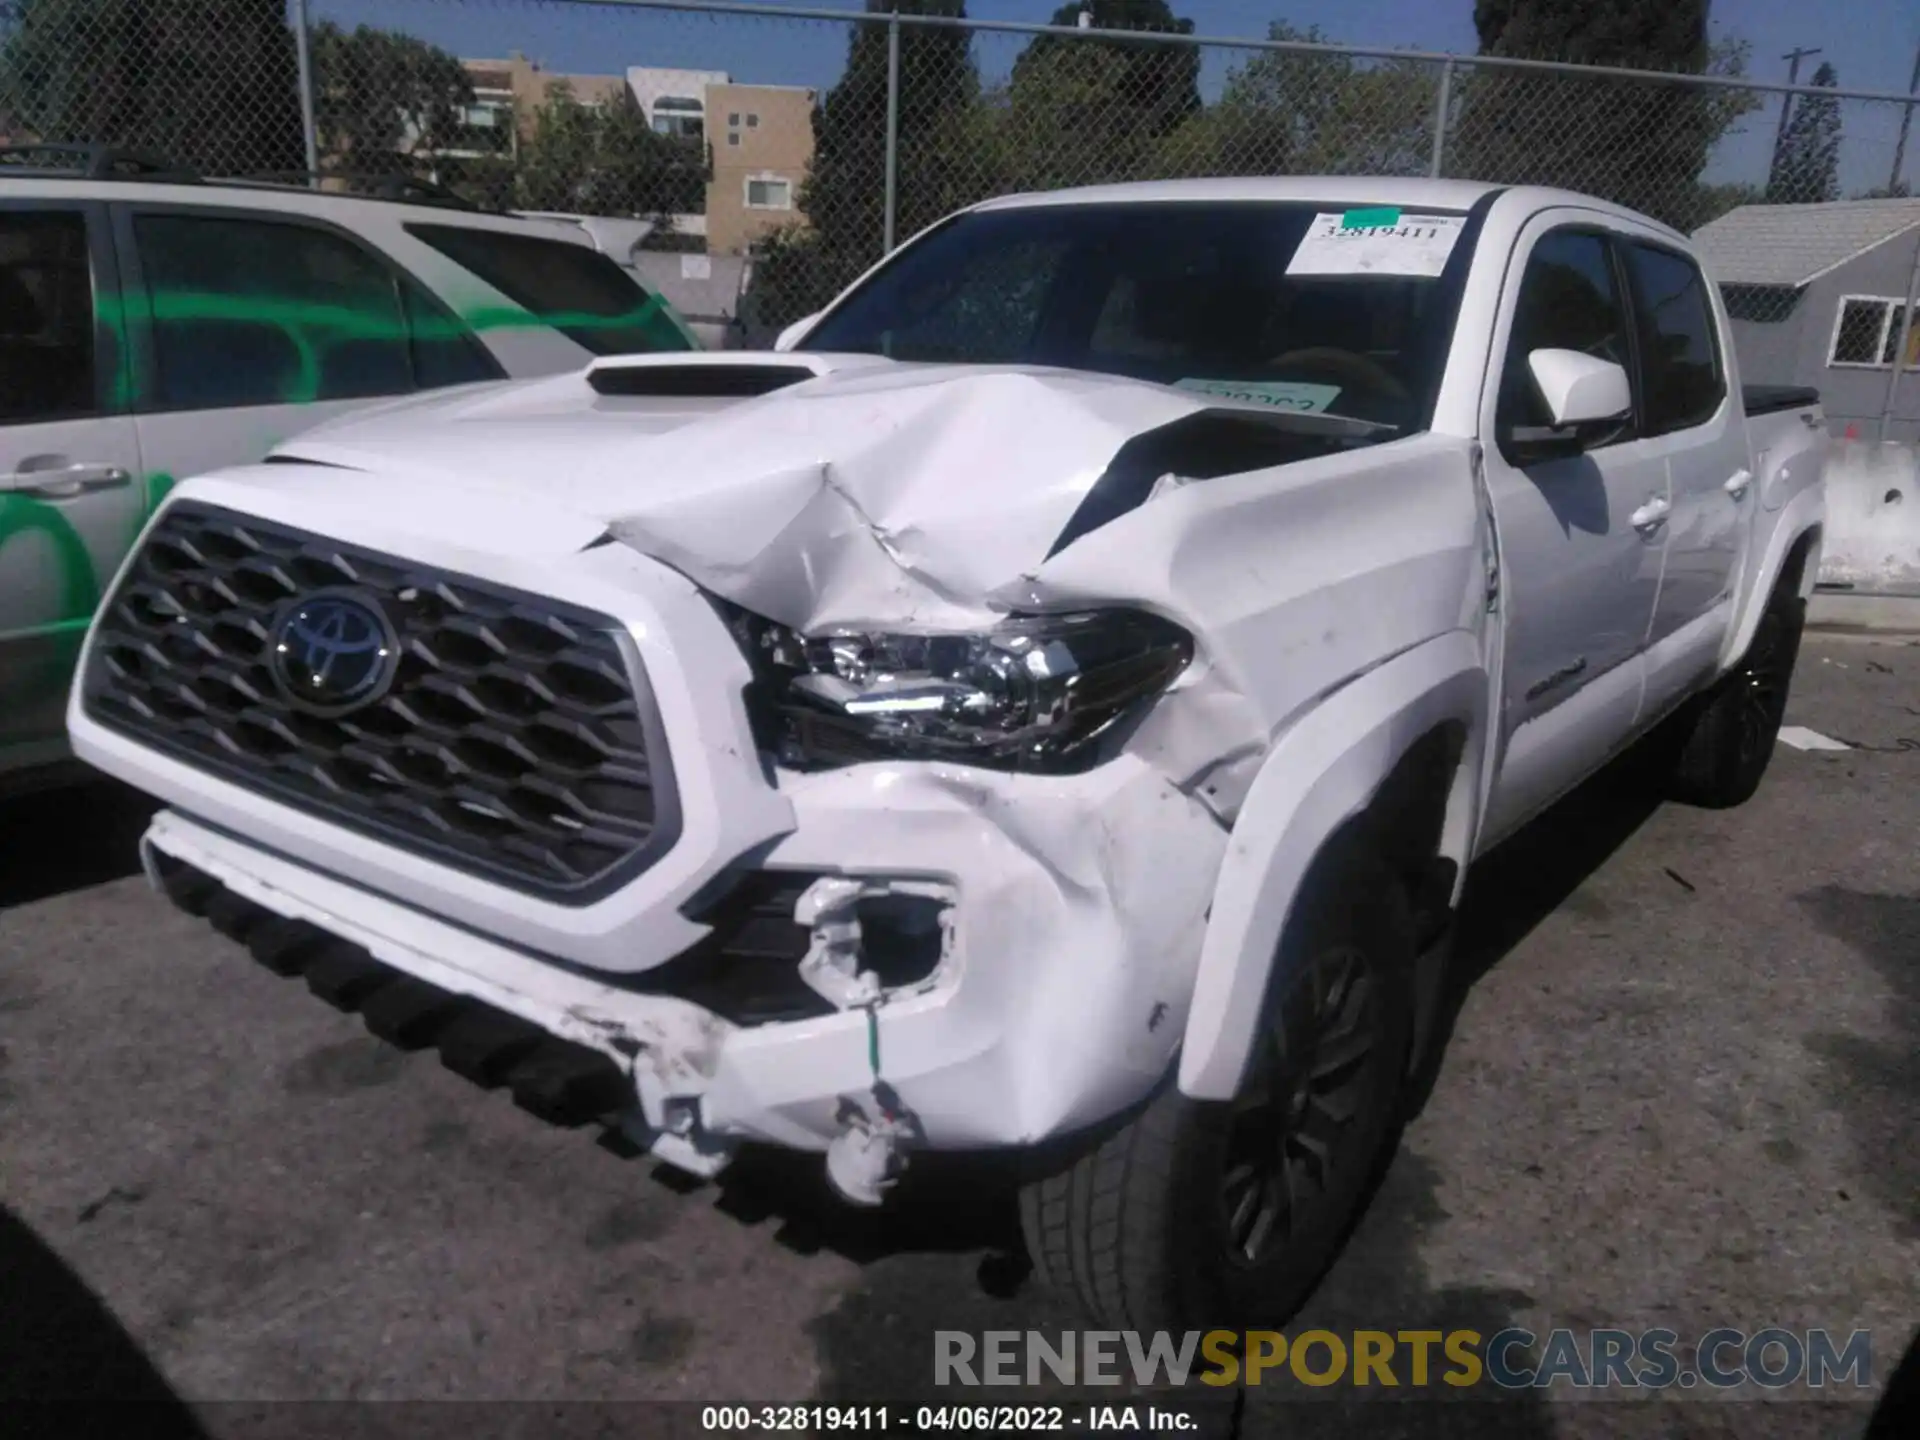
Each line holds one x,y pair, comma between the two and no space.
1806,164
207,84
1641,143
1293,113
941,159
384,102
604,159
1079,111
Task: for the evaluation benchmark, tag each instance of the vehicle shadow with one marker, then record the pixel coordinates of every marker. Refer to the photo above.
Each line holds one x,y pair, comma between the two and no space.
56,841
1528,876
67,1366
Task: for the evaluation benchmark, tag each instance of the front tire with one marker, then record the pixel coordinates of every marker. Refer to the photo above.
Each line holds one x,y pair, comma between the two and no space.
1198,1214
1726,743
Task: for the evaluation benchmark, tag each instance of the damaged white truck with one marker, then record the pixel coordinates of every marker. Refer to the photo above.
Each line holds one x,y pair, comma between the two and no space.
1048,703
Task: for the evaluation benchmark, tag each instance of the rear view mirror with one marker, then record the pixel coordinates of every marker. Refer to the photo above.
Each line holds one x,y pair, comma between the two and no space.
1587,399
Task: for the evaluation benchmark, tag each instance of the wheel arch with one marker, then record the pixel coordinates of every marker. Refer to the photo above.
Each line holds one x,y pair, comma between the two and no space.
1792,554
1395,758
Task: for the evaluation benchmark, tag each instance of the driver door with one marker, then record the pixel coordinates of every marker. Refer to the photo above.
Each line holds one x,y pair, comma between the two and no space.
1582,538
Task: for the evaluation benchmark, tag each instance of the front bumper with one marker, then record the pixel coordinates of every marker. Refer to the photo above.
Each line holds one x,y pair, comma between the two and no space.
1074,905
1072,934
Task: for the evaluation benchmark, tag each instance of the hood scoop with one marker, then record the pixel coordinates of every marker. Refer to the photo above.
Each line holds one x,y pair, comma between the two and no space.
713,375
679,382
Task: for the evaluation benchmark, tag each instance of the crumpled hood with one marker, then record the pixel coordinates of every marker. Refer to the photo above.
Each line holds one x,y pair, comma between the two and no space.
873,492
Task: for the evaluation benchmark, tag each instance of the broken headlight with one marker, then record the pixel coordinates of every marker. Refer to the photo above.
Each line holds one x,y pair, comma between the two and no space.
1033,693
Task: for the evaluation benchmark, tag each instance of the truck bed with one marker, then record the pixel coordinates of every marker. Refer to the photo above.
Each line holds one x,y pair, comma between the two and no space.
1770,399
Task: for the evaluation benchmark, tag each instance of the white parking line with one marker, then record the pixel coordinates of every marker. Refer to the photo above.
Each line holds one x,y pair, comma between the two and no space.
1802,738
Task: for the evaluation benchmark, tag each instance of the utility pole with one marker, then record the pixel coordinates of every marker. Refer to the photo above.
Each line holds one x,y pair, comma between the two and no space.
1906,124
1793,59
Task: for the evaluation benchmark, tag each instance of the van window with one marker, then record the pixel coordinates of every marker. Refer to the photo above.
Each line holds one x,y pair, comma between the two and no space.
572,288
445,352
264,312
46,317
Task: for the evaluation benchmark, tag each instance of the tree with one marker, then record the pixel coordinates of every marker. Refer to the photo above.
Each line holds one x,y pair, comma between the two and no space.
1806,164
1642,143
206,84
604,159
1080,111
1292,113
384,102
941,160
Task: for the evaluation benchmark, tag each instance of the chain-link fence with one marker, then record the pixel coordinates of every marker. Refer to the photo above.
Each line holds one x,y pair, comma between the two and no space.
813,139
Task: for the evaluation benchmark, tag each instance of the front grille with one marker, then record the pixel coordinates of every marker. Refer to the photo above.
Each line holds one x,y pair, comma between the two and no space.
515,740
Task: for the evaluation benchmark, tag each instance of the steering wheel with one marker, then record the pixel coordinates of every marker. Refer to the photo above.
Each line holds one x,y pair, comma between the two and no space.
1346,366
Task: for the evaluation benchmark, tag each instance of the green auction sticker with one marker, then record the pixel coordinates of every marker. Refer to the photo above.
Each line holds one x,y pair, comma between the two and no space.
1378,218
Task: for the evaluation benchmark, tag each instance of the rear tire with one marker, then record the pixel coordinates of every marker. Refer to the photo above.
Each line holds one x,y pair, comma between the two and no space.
1201,1214
1726,741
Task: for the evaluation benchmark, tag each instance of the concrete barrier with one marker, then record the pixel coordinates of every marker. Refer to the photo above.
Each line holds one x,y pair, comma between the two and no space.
1872,540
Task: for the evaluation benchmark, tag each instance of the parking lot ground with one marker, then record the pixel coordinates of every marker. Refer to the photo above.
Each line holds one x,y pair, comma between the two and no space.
1682,1088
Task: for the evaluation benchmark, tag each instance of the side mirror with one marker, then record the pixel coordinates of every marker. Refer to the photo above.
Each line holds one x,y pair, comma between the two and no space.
790,336
1580,390
1588,399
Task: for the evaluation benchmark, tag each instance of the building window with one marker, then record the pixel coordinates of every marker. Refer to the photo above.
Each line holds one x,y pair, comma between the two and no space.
733,137
769,194
680,116
1866,332
753,121
733,121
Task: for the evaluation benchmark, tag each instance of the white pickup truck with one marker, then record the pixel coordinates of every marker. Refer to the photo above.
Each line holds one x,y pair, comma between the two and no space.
1048,703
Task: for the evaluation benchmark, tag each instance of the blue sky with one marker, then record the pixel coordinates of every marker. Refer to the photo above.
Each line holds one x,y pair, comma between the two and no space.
1871,44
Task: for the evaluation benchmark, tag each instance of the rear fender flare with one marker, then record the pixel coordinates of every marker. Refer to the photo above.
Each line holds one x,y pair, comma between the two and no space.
1800,523
1320,774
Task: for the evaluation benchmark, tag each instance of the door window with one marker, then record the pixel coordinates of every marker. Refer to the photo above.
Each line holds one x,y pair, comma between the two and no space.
1679,356
47,338
259,312
1569,300
572,288
445,352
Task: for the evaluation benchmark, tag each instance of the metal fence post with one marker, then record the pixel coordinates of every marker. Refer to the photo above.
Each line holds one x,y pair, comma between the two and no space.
303,52
1440,107
893,126
1900,349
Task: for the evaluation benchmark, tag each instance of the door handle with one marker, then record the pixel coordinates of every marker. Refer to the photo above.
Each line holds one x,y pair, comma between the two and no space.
63,482
1651,516
1738,482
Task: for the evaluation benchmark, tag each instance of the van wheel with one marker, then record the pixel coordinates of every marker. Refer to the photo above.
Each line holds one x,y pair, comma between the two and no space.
1202,1214
1727,741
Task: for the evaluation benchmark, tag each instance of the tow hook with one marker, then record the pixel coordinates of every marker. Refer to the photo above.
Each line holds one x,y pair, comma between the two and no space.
870,1153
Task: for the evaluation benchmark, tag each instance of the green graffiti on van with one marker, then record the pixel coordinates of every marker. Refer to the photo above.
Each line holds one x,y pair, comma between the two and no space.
78,582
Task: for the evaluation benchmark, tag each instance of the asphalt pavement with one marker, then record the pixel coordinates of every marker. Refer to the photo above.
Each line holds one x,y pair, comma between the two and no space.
1681,1087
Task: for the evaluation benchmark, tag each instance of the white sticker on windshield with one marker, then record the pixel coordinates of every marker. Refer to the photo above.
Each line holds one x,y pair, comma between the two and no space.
1276,394
1376,242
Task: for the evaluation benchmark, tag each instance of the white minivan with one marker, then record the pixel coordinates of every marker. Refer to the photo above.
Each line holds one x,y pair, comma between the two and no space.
154,325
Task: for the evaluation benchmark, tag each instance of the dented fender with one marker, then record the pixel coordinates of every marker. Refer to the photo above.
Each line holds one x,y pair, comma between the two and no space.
1318,775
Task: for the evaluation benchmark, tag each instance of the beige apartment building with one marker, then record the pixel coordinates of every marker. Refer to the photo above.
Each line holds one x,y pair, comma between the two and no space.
517,85
760,139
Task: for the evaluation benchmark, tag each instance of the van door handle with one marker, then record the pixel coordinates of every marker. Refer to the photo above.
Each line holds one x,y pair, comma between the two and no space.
1738,482
63,482
1651,516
